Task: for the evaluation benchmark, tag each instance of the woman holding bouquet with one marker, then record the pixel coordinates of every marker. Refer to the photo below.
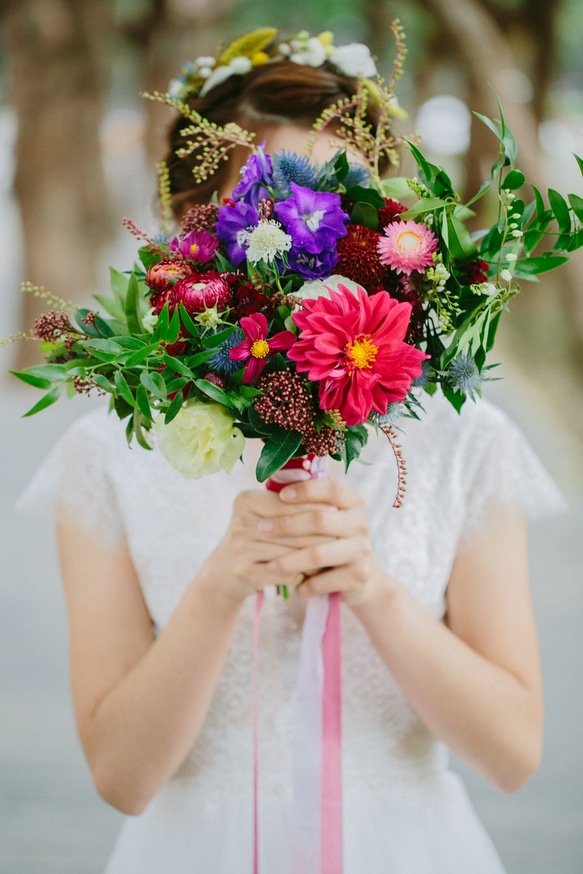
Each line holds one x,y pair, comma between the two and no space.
439,642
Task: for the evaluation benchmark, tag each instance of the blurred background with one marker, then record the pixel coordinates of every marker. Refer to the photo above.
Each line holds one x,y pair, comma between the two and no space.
77,151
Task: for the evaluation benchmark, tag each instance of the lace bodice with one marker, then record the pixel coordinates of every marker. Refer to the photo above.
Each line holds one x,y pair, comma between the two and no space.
461,469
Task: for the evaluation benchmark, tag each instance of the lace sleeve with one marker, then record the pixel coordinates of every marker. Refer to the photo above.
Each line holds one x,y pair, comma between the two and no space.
75,482
507,476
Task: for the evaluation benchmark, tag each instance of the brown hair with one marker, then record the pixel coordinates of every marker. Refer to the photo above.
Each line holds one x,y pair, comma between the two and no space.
279,92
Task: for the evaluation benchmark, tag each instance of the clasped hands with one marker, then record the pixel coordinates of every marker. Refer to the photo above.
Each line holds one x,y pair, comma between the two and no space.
312,537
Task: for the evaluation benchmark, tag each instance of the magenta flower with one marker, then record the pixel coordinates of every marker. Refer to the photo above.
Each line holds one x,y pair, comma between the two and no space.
196,246
256,347
353,346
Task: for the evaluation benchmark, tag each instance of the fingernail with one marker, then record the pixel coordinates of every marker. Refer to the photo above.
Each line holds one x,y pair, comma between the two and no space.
266,526
288,494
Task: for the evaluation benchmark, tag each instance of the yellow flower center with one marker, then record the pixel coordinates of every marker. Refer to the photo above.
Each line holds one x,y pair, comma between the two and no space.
362,353
194,248
259,348
409,241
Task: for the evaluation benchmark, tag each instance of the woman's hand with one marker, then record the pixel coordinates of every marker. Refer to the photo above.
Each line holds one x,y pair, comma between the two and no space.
330,532
254,545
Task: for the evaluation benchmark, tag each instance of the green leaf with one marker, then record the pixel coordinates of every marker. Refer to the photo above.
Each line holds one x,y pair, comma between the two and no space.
176,365
456,399
461,245
174,408
561,210
426,204
200,358
579,162
162,325
49,371
103,383
103,347
192,328
112,306
513,180
119,286
215,393
154,383
356,437
174,327
139,356
132,306
214,340
143,402
367,215
30,379
138,424
278,450
46,401
576,205
396,187
532,266
123,388
341,166
366,195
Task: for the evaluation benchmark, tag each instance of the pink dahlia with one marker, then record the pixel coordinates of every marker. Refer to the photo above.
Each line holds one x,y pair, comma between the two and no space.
352,345
407,246
256,347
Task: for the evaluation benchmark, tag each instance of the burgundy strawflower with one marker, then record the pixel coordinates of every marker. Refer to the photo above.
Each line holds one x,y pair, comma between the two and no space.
358,257
201,291
162,275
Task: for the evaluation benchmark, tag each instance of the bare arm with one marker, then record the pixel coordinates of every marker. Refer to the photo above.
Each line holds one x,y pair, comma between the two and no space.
140,702
475,680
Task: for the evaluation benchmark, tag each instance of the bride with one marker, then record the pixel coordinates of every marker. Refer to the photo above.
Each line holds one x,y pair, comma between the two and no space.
439,641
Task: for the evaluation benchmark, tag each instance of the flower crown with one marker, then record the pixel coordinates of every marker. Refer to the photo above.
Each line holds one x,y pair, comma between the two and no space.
260,47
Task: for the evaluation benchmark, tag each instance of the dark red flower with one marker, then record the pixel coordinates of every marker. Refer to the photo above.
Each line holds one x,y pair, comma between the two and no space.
248,300
472,273
390,211
200,291
358,257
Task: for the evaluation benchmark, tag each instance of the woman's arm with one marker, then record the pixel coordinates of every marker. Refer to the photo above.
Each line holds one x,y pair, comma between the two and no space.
474,680
140,702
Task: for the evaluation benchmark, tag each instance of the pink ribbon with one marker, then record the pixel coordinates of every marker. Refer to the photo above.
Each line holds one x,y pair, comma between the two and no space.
316,824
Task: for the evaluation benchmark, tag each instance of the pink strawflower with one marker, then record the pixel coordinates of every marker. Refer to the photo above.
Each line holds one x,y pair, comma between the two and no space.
352,345
257,347
407,246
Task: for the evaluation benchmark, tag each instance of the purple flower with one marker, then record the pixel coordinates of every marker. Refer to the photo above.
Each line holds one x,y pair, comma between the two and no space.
313,265
233,226
255,176
196,246
313,219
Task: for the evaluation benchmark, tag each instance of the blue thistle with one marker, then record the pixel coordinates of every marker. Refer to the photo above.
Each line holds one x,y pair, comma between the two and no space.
290,167
463,376
221,362
357,175
395,411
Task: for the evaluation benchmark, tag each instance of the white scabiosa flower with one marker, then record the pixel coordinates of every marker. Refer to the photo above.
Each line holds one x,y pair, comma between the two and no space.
354,59
237,67
312,53
267,241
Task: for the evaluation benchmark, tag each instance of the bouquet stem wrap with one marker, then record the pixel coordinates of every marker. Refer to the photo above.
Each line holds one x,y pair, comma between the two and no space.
316,819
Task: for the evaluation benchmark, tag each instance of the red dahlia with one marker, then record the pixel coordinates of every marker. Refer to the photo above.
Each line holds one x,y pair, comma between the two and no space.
358,257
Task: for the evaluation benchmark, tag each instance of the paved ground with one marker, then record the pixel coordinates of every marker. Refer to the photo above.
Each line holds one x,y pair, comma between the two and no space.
51,821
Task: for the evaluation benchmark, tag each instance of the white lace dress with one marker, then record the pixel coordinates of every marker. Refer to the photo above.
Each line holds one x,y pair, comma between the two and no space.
405,812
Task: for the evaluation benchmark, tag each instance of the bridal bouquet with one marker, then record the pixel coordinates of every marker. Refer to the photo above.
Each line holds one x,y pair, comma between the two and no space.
315,300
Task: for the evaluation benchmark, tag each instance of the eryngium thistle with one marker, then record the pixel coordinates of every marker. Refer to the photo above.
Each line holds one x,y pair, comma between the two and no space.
463,376
289,167
221,361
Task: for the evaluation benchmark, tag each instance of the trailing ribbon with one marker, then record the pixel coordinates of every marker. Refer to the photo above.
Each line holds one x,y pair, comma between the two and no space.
316,817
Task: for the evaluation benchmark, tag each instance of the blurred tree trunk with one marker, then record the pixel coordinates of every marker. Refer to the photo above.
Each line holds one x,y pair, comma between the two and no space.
56,51
170,32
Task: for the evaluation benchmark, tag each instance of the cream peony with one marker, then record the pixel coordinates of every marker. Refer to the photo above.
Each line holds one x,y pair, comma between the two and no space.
200,440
